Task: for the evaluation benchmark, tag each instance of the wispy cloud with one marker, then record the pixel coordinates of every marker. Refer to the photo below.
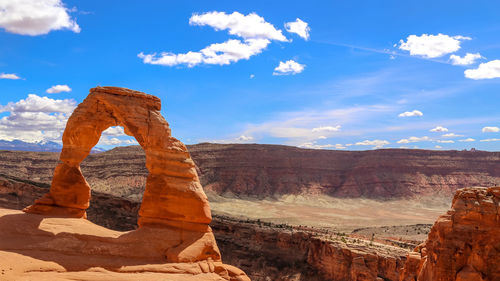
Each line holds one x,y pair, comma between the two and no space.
413,113
415,139
491,129
439,129
10,76
305,126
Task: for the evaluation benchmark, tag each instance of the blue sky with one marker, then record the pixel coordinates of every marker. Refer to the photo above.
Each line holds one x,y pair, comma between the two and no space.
350,75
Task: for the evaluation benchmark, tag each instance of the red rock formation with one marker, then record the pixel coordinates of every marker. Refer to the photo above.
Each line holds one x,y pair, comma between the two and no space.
260,170
268,170
34,247
173,194
173,198
463,244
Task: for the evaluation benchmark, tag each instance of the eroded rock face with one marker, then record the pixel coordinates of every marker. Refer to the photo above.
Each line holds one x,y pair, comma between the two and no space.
173,194
464,243
173,198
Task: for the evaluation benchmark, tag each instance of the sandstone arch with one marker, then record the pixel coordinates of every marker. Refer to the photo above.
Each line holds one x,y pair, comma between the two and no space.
173,194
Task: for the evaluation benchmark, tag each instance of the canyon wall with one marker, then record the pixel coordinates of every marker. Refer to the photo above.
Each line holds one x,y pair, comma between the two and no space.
271,170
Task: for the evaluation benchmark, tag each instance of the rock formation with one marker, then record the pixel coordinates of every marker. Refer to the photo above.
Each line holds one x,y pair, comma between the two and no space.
271,170
463,244
260,170
174,202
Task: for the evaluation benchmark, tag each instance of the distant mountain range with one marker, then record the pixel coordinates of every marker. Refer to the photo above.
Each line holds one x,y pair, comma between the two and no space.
40,146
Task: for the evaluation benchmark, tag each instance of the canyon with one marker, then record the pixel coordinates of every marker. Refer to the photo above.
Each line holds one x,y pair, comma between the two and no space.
269,251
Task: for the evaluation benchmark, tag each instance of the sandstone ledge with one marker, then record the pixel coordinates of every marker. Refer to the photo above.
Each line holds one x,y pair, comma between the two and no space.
35,247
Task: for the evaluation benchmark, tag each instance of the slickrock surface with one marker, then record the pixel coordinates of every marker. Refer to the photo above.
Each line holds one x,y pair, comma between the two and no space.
36,247
174,215
268,170
464,243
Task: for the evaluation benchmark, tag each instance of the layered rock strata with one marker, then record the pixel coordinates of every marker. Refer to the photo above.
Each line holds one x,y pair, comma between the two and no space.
464,243
260,170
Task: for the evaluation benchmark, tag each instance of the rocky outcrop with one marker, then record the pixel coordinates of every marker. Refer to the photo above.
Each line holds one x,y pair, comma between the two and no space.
463,244
174,215
35,247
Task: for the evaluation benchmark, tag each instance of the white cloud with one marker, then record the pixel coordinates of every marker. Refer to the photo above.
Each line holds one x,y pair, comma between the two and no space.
244,138
445,141
288,67
326,129
439,129
438,146
34,103
251,26
487,140
255,31
116,131
411,113
451,135
58,89
322,137
219,53
415,139
491,130
375,143
432,46
105,140
467,140
313,145
298,27
466,60
252,76
487,70
11,76
29,17
35,118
